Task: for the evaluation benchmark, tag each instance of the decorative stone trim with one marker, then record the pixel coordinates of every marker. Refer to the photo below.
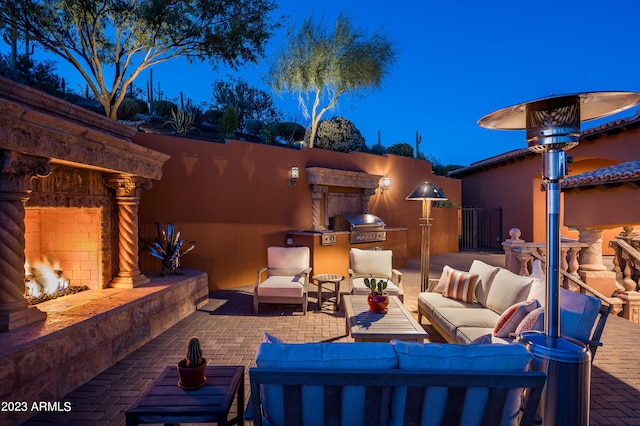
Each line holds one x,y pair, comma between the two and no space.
345,178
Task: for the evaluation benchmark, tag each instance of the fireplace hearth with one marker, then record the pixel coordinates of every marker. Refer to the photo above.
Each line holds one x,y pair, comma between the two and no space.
70,185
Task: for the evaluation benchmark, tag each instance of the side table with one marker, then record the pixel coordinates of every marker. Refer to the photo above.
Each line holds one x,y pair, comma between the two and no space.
165,402
333,279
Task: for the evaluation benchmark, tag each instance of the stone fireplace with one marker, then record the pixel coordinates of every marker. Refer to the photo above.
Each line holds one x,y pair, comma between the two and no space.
70,185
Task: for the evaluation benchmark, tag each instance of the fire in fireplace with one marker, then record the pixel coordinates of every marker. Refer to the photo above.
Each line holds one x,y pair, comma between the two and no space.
44,278
62,251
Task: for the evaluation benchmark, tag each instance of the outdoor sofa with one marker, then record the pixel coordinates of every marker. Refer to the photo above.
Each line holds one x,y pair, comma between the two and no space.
393,383
492,304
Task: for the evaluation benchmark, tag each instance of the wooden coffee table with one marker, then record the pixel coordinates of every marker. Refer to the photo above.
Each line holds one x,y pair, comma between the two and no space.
365,326
165,402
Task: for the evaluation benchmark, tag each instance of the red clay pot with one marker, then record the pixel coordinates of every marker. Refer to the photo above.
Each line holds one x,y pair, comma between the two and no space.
378,303
191,377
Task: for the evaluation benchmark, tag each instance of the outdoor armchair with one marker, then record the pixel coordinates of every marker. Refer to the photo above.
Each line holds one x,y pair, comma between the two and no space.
285,279
376,264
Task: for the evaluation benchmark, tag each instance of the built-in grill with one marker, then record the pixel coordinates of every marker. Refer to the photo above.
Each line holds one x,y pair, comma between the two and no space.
364,228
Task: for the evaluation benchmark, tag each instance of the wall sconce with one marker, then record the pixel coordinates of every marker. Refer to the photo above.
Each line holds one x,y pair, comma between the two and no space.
386,184
293,177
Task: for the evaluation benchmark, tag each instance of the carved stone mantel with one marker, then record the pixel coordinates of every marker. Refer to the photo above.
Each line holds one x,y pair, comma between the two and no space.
34,123
321,179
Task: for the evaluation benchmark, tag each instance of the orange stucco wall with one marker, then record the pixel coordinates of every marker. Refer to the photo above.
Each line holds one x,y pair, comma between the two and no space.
234,200
516,187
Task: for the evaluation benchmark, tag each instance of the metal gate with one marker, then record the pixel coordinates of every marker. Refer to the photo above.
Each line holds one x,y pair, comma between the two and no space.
481,229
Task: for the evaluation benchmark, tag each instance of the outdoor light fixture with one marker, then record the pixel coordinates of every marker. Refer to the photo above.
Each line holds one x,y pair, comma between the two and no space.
426,192
294,175
386,184
552,127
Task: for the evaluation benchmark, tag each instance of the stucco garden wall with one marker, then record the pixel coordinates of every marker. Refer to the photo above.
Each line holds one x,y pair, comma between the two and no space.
234,200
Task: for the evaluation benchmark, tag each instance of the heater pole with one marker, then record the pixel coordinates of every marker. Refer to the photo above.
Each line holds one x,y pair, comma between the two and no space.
554,162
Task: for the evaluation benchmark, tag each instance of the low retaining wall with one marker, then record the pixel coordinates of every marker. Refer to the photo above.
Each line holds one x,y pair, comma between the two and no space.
86,333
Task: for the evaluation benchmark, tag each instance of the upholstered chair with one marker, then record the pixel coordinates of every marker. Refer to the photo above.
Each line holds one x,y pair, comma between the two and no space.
285,279
376,264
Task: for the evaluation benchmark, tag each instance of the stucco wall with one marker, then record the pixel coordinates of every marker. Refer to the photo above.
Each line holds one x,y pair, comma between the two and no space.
234,200
516,187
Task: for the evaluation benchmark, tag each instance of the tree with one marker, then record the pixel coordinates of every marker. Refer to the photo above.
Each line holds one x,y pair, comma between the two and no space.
249,102
402,149
338,134
118,39
324,65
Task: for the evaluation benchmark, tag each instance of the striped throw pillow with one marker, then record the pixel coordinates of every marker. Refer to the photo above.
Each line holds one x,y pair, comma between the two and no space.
461,286
513,316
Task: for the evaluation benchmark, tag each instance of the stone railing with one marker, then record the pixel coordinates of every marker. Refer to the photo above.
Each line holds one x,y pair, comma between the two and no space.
519,255
626,265
576,275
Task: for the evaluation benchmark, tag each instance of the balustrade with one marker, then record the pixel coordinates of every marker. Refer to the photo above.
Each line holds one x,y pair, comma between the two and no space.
582,261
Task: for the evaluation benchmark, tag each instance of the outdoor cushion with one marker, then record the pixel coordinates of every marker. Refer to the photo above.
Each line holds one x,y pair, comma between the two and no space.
506,290
444,278
486,274
451,357
435,301
538,290
511,318
470,317
461,285
371,262
360,288
287,260
467,334
282,286
321,356
532,321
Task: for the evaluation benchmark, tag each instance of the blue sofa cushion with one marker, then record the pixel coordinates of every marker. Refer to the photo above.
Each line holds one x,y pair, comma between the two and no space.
321,356
451,357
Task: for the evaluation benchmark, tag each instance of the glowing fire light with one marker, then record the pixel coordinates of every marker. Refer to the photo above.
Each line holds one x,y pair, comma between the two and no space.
44,278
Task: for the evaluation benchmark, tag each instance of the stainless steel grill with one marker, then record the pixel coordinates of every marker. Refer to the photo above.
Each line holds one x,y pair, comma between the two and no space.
364,228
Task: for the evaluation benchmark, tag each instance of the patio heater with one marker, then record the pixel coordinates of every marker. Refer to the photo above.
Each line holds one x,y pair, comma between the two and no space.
426,192
553,127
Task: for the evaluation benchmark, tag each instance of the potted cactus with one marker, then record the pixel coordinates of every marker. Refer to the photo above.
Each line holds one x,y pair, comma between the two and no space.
378,299
192,368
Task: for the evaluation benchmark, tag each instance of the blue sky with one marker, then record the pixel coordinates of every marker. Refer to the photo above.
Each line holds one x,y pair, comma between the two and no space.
458,60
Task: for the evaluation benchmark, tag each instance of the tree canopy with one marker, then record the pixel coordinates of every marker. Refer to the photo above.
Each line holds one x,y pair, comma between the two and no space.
318,65
110,42
250,103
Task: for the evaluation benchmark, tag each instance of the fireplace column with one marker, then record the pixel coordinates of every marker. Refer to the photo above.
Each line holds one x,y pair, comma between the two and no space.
16,172
128,198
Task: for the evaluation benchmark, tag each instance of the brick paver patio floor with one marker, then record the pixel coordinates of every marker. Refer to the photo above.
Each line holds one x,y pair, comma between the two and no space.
230,334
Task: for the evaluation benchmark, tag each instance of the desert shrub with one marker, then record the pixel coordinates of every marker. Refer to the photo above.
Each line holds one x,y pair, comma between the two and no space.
378,149
337,134
402,149
289,131
129,108
163,108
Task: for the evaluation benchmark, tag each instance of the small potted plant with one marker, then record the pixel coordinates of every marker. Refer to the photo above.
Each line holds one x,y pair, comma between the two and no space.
378,299
192,368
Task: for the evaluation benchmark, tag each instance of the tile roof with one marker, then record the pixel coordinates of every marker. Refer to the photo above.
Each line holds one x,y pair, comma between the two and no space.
586,135
618,173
